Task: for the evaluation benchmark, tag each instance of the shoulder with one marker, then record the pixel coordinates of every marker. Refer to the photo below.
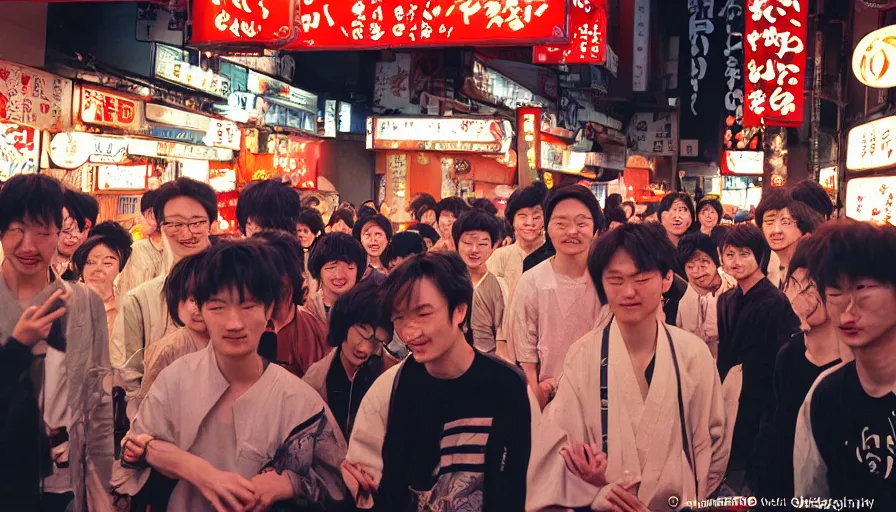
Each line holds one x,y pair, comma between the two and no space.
581,350
539,276
151,289
835,379
166,346
688,345
316,376
81,292
182,368
292,390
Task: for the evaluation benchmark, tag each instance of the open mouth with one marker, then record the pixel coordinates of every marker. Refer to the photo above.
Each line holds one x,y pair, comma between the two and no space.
191,244
339,283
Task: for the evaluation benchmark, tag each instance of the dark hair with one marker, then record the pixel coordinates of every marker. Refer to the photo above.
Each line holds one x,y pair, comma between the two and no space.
648,247
312,218
366,211
453,205
241,264
83,208
445,270
337,247
371,201
485,205
773,199
749,236
402,245
527,197
426,231
807,251
420,204
358,306
36,198
580,194
148,199
476,220
690,243
630,204
854,250
286,255
712,203
807,219
269,204
719,233
613,201
343,214
110,234
377,219
815,196
666,202
180,284
615,214
186,187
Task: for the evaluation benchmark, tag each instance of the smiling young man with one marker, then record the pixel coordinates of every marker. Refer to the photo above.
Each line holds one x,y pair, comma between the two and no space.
697,312
755,321
676,213
248,434
785,222
78,216
476,236
374,233
185,209
337,263
147,258
526,214
643,396
845,431
55,433
555,302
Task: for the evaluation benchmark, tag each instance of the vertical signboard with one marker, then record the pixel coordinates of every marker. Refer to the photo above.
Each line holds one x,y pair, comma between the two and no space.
528,143
19,147
587,37
775,56
641,48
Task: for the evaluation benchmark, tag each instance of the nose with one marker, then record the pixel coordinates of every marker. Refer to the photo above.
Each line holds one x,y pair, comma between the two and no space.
628,289
27,243
409,331
234,322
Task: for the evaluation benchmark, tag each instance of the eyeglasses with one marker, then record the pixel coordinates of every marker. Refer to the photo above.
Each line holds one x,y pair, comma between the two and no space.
200,226
369,334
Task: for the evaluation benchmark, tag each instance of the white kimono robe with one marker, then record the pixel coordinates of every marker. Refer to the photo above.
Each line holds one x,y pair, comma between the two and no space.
645,438
264,418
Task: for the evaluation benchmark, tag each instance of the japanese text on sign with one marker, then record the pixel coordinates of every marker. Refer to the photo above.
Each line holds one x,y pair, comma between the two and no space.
700,25
18,150
344,24
255,22
587,34
442,134
171,66
775,56
733,12
871,199
104,108
34,97
652,134
641,45
223,134
872,145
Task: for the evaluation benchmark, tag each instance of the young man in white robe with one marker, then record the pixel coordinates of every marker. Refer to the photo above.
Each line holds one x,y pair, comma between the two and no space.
644,394
248,433
555,302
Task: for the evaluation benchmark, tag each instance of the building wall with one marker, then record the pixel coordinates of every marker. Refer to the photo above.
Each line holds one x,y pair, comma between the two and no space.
349,166
23,32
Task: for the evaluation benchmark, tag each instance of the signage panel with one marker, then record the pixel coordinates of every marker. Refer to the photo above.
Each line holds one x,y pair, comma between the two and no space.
224,134
871,145
176,117
106,108
34,98
874,59
121,177
452,134
242,22
587,34
743,162
171,66
19,150
159,149
871,199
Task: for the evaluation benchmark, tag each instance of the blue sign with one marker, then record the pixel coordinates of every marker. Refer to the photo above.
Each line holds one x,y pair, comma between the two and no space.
178,134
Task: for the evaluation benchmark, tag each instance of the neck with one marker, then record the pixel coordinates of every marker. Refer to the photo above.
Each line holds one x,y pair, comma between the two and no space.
60,260
706,231
876,365
749,282
156,239
785,255
640,337
244,370
713,287
201,337
328,296
822,345
374,261
530,247
453,363
106,292
349,368
674,238
570,266
477,274
284,312
24,288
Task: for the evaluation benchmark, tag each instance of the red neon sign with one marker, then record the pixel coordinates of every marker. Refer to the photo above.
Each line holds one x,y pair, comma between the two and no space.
250,22
587,33
775,57
354,24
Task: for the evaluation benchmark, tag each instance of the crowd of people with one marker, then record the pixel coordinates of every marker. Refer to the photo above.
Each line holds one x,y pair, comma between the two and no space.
561,355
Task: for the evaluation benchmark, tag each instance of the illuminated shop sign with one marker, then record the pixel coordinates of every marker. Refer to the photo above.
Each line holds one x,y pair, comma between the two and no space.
872,145
34,97
743,162
19,150
587,34
874,59
871,199
241,22
171,65
109,109
121,177
451,134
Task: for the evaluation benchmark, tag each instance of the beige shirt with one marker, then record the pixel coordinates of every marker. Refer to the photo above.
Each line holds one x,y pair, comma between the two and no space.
489,299
507,263
159,356
698,314
146,263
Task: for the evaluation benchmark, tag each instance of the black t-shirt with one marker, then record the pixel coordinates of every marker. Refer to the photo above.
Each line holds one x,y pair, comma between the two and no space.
856,436
463,441
794,376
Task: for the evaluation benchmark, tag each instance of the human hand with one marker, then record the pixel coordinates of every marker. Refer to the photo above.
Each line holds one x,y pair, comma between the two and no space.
587,462
227,492
366,484
133,447
544,391
271,487
617,497
35,323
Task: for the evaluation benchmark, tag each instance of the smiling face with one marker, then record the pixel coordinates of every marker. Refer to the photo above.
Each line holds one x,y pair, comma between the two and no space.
446,220
186,226
780,229
862,310
701,270
426,324
571,227
633,296
373,238
235,326
189,314
101,269
677,219
29,246
362,342
306,236
337,277
474,248
71,236
528,224
803,296
739,262
709,218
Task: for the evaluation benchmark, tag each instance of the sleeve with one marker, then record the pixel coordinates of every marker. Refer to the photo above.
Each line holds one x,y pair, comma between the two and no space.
523,322
128,342
497,263
100,452
135,273
769,445
483,321
809,469
713,448
14,358
316,479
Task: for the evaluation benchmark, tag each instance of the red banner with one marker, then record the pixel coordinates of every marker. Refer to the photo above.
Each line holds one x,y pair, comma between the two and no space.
587,33
368,24
250,23
775,57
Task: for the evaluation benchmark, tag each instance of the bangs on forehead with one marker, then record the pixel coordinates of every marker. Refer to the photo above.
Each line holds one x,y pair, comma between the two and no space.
406,297
242,266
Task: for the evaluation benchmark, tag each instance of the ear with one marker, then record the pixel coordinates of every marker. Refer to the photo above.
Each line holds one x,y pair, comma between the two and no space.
269,311
459,315
668,280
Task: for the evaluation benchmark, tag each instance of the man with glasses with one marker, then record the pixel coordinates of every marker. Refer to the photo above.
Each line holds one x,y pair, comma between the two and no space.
801,360
78,215
184,209
846,429
784,222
